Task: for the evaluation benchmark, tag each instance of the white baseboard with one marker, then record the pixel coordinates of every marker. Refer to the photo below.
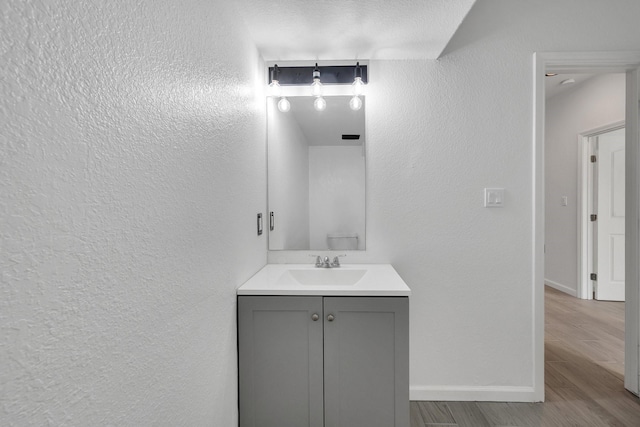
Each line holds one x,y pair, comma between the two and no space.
473,393
561,288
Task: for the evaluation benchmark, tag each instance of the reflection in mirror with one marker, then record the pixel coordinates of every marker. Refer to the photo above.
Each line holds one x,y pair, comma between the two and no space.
316,181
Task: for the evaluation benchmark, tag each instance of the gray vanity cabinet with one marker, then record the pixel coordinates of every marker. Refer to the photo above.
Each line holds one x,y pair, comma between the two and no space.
366,362
323,361
280,361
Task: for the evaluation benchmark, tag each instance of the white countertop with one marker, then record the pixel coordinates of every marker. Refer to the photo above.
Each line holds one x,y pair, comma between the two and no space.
279,279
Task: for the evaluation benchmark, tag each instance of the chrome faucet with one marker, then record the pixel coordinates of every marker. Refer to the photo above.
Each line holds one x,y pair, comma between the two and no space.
336,260
322,263
326,263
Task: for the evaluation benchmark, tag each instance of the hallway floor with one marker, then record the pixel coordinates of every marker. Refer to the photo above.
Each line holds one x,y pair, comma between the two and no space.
584,375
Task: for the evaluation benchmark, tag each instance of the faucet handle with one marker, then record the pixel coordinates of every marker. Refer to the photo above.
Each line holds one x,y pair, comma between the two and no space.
318,260
336,260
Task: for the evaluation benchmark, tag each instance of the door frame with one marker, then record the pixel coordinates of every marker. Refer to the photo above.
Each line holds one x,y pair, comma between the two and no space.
588,62
585,202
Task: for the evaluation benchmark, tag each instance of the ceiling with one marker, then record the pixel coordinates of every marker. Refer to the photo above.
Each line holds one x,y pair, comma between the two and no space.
553,84
299,30
327,127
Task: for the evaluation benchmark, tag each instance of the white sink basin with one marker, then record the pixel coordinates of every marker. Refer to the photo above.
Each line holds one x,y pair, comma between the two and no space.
346,280
325,276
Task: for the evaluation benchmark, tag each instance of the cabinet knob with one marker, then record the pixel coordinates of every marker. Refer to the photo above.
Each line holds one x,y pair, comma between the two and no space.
315,317
331,318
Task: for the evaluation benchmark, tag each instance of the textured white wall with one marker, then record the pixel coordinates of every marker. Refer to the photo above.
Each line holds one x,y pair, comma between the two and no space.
336,193
288,180
438,132
597,102
132,165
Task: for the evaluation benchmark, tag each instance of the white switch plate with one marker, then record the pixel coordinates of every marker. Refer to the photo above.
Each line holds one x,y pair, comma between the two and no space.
565,201
493,197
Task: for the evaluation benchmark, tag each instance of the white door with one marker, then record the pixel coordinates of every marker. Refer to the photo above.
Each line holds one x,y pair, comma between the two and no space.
610,223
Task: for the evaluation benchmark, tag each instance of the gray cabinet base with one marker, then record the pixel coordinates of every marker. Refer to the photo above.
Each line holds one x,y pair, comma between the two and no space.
350,371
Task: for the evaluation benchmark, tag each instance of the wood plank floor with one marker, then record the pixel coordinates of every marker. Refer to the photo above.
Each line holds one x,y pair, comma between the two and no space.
584,375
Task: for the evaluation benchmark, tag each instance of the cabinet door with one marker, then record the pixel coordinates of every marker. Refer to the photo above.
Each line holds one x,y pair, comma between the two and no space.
280,361
366,362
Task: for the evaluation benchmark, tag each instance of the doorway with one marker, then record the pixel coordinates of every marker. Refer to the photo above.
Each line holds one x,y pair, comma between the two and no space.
590,62
601,216
583,339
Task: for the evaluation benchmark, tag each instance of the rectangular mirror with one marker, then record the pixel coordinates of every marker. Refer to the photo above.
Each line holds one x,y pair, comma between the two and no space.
316,175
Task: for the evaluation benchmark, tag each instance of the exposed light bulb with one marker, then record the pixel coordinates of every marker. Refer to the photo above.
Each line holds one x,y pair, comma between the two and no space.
357,86
275,89
355,103
284,105
320,104
316,86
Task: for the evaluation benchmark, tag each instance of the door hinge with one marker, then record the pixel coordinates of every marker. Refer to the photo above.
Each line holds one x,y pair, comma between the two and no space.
593,217
593,159
594,276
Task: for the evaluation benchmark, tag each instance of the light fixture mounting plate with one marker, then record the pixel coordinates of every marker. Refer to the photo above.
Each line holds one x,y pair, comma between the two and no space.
331,74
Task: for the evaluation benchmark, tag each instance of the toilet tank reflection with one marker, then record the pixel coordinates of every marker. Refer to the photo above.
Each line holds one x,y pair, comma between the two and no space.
342,241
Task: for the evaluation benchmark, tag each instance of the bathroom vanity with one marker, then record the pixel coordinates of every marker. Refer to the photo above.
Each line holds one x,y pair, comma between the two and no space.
324,347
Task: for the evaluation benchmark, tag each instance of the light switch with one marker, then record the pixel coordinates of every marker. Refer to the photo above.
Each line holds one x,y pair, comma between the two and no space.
565,201
493,197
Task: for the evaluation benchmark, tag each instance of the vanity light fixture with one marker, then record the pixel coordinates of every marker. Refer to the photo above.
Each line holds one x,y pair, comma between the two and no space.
354,75
275,90
316,86
357,85
274,87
